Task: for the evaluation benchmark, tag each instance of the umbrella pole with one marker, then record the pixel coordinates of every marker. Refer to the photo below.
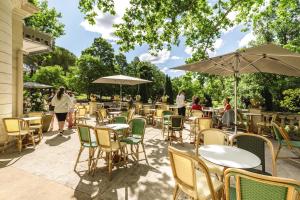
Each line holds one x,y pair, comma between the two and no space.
120,96
235,103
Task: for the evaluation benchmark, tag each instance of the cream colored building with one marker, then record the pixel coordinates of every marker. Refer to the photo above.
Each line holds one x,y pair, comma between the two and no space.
14,42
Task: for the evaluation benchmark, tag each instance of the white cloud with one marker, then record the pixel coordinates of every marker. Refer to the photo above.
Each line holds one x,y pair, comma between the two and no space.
161,57
246,39
176,57
189,50
104,22
164,70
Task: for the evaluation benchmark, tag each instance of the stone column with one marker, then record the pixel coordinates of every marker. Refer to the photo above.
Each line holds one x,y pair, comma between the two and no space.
17,63
5,64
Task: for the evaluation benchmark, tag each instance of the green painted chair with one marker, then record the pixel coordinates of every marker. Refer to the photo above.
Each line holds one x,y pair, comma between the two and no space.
136,137
176,125
120,120
166,121
284,140
253,186
84,133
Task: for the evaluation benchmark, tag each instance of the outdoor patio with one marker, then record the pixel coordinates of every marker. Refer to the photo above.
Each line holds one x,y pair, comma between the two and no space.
47,172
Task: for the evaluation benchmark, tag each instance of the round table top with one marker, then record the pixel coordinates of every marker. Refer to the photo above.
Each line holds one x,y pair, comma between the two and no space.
229,156
116,126
115,112
252,114
31,118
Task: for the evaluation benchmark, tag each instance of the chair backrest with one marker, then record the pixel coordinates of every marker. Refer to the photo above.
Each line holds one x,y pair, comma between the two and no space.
103,112
159,112
87,107
197,113
213,136
103,137
130,114
277,130
177,121
84,133
167,112
165,107
281,134
204,123
81,112
138,126
36,114
120,119
256,145
146,109
12,125
184,166
250,186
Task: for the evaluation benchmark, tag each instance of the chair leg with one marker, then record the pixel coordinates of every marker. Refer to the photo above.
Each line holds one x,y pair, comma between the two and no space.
96,162
20,144
137,152
109,164
144,153
277,153
77,160
175,193
181,139
32,138
91,155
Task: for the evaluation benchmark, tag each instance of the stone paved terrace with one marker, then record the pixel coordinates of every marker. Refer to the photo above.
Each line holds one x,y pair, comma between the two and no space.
47,172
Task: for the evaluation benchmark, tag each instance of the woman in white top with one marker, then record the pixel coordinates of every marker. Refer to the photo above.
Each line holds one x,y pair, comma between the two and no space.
71,111
180,102
62,103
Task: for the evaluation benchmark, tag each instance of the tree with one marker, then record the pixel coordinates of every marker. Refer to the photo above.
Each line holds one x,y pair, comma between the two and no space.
104,51
50,75
161,23
72,79
46,20
90,69
59,56
169,90
121,63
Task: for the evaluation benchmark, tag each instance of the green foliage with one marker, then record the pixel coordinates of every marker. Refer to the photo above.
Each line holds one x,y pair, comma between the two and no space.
169,90
121,63
72,79
50,75
46,20
104,50
291,100
59,56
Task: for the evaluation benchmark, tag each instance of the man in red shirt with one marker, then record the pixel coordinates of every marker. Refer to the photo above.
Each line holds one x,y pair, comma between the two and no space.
196,105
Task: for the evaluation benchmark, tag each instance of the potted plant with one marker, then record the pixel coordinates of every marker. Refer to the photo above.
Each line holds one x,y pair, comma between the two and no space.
138,98
164,98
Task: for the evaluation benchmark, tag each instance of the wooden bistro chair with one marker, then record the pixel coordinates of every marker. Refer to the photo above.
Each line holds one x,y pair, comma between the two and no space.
166,121
176,124
84,133
80,115
265,124
114,149
256,145
16,127
192,176
211,136
36,124
253,186
130,114
100,120
136,137
283,139
158,118
201,124
148,114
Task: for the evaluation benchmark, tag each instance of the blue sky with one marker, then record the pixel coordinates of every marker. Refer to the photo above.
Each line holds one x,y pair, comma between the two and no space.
80,35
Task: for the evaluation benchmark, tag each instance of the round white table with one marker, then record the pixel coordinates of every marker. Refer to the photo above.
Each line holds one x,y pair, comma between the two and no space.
116,127
229,156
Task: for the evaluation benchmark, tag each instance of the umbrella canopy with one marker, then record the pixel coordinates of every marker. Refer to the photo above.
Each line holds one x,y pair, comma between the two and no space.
268,58
121,80
34,85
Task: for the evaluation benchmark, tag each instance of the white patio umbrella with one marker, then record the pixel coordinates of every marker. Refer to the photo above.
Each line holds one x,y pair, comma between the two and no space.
34,85
121,80
268,58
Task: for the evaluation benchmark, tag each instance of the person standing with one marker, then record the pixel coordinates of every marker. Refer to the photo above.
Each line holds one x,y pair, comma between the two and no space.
62,103
180,101
71,111
51,109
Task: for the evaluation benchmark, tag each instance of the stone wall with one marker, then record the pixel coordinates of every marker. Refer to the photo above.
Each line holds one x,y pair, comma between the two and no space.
5,63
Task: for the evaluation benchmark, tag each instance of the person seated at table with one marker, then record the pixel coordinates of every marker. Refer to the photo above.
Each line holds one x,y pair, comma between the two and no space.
196,105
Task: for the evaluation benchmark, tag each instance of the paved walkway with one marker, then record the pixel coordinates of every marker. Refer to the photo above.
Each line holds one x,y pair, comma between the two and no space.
46,172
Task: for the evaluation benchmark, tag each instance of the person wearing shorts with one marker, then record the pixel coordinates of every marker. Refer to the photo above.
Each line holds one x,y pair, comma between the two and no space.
62,103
